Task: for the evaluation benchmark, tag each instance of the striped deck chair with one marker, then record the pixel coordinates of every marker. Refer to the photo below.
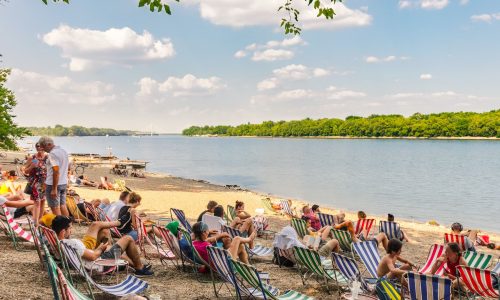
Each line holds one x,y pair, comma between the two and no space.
268,205
311,262
434,252
300,227
387,291
101,216
143,237
455,238
54,246
258,250
195,259
36,241
391,229
479,282
15,230
131,284
286,209
326,219
478,260
349,269
231,213
74,211
344,238
496,269
172,245
219,260
428,287
369,255
364,225
250,276
182,218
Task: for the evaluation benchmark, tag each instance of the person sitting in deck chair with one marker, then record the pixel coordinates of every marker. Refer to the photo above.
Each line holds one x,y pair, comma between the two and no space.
210,209
127,215
17,208
243,221
62,227
390,218
10,187
470,235
115,207
453,258
349,226
387,266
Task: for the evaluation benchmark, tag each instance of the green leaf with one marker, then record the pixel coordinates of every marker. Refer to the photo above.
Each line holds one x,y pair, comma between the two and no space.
167,9
143,2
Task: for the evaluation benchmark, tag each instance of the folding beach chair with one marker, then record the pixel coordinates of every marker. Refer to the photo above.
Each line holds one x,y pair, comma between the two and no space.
326,219
455,238
478,260
143,237
428,287
268,205
131,284
14,230
310,261
172,244
479,282
258,250
387,291
100,215
231,213
286,209
349,269
219,261
300,227
74,211
364,225
344,238
250,276
496,269
391,229
182,218
434,253
50,238
369,255
195,259
36,241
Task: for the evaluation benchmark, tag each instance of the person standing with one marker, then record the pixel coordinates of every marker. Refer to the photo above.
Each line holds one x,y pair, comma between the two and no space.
36,170
57,176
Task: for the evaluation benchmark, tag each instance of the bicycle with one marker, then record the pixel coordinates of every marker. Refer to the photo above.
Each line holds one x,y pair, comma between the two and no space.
119,170
80,168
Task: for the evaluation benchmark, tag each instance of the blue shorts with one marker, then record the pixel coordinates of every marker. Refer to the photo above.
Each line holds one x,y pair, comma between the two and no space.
60,199
133,234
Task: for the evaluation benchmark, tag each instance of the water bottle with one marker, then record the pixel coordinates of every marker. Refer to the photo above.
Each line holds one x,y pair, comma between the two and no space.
356,287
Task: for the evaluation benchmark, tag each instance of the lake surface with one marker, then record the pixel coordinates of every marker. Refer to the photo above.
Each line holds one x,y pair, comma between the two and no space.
443,180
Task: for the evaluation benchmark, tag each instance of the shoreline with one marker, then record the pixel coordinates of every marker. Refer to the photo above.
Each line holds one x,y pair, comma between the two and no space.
439,138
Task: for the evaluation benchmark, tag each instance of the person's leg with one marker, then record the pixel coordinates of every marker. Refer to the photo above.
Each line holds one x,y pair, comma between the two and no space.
382,238
325,232
96,227
236,223
61,191
127,244
235,244
20,203
243,254
249,229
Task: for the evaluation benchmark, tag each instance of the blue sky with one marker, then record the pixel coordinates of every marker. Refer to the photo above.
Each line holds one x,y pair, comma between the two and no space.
111,64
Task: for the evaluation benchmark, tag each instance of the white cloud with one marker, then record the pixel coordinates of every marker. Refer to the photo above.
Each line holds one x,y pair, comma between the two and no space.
294,94
406,95
434,4
444,94
86,48
319,72
405,4
267,84
335,93
186,86
291,72
425,76
464,2
240,54
439,94
272,55
488,18
242,13
375,59
40,88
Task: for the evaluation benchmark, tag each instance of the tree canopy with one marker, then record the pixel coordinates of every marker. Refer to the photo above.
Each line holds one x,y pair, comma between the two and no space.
9,131
75,130
447,124
290,23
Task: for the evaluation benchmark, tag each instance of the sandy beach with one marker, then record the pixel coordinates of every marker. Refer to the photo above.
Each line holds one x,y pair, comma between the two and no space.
26,280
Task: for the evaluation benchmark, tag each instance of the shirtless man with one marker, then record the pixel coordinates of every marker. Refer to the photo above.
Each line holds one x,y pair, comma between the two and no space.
387,265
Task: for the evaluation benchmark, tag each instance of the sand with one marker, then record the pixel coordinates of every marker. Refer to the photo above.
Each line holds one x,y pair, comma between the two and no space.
26,280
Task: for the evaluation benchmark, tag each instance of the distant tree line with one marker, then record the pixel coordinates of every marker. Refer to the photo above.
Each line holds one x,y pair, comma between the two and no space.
60,130
448,124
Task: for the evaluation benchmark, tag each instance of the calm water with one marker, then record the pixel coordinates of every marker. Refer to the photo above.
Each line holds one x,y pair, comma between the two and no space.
442,180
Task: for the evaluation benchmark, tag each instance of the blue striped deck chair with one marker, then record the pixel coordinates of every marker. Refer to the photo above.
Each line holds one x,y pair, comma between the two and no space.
428,287
250,276
300,227
349,269
344,238
326,219
181,217
309,263
477,260
131,284
391,229
369,255
258,250
219,260
387,291
496,269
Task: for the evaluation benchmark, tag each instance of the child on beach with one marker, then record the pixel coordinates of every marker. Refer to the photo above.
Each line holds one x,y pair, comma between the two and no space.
390,218
452,257
470,236
387,266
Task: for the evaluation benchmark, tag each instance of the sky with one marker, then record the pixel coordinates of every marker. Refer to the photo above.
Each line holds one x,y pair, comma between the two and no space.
112,64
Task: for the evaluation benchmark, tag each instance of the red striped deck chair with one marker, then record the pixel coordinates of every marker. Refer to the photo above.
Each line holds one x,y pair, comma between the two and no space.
15,227
363,225
143,236
172,244
455,238
479,282
434,252
100,215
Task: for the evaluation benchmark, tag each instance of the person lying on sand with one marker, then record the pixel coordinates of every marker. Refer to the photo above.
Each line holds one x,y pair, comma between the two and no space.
84,180
10,188
88,249
387,266
453,257
105,184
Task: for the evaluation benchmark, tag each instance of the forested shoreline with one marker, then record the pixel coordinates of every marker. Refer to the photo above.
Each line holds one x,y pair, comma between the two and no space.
447,124
75,130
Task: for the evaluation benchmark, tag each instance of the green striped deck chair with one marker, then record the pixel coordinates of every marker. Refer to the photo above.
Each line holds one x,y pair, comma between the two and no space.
250,276
344,238
310,261
300,227
197,259
478,260
231,212
268,205
387,291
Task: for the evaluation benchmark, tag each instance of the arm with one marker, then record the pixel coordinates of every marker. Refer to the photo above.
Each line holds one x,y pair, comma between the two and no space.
92,255
243,215
132,215
405,261
214,238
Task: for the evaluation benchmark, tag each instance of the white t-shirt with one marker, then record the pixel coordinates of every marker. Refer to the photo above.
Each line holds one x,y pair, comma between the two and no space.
114,209
213,222
77,245
57,157
10,209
